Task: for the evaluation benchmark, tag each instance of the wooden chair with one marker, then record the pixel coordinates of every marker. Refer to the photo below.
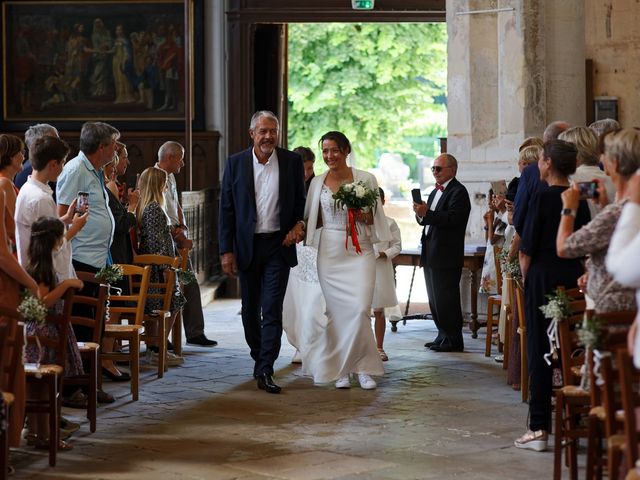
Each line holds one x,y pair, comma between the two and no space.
629,380
508,309
90,350
176,331
131,308
164,292
51,374
522,331
6,398
572,401
494,301
12,378
614,336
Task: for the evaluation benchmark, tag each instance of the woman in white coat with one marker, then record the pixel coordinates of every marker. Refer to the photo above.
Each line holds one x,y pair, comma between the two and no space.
344,345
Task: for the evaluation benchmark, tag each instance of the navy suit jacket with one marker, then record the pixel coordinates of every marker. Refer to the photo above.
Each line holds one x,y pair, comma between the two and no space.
238,217
443,246
528,185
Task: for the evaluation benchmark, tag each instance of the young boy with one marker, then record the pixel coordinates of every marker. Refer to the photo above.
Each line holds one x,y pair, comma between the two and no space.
384,294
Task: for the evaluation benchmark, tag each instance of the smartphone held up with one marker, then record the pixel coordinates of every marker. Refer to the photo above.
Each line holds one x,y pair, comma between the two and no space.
588,190
82,202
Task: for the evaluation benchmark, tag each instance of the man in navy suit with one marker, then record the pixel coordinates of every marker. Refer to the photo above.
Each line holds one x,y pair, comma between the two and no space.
261,209
444,218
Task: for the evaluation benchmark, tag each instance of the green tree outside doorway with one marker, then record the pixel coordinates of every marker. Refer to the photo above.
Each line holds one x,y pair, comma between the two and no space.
382,84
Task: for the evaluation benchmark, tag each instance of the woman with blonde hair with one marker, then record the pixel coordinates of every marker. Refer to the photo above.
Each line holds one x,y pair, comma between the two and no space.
588,170
155,238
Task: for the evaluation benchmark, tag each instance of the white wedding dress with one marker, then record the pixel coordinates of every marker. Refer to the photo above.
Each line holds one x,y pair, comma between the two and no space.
303,304
342,342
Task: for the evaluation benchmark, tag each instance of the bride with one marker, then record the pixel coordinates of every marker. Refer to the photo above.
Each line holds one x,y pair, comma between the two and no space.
342,342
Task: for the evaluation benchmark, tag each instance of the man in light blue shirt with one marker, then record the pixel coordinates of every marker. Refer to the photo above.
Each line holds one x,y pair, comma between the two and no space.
84,174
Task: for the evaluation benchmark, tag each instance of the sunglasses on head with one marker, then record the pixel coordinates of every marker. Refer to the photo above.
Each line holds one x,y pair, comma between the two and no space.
437,169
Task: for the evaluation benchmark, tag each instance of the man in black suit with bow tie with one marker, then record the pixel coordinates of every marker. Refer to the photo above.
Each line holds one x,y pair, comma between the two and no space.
261,207
444,218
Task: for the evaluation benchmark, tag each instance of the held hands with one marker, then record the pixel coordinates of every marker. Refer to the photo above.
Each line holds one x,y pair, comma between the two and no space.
179,235
420,209
228,261
295,235
571,197
133,194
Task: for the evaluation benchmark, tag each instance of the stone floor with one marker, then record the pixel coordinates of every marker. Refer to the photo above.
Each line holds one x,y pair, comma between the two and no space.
433,416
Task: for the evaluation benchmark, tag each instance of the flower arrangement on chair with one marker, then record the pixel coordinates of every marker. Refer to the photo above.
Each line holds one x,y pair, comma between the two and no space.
510,268
356,198
589,336
109,275
33,309
557,308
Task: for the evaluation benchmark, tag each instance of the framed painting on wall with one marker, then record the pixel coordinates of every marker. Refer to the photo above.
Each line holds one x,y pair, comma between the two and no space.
123,62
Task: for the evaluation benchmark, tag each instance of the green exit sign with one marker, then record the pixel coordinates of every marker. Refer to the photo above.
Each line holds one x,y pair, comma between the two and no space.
362,4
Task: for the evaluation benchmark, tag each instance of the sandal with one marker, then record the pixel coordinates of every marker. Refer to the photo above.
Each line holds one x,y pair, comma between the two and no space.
383,355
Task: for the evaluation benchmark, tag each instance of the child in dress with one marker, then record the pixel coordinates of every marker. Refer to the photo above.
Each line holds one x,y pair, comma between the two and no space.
384,294
47,235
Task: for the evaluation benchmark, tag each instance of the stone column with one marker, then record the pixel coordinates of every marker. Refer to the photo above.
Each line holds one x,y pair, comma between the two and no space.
510,73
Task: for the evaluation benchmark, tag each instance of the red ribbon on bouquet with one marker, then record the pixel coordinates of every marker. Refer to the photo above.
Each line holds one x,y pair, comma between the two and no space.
352,230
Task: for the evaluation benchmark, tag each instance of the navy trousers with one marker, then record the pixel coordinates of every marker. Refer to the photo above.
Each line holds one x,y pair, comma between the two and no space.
262,287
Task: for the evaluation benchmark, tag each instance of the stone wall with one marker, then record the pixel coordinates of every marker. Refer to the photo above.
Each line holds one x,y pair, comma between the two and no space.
613,42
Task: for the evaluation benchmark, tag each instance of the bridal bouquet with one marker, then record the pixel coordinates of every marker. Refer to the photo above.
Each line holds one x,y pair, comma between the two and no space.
355,197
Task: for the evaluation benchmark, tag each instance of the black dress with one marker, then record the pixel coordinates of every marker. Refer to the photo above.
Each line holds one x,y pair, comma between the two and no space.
546,272
121,249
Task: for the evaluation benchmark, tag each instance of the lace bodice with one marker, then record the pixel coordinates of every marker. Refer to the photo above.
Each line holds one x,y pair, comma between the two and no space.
332,218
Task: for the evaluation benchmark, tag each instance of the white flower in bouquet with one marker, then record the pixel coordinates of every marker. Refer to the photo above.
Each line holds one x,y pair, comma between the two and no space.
360,191
32,309
356,195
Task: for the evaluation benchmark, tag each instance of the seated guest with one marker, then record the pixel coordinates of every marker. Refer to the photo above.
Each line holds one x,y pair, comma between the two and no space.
588,170
543,271
155,238
620,162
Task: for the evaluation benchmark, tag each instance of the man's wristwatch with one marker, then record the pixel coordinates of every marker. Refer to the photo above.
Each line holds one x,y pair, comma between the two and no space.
568,211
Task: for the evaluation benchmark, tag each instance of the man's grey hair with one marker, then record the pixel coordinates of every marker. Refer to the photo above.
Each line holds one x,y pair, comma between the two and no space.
94,134
606,125
263,113
34,132
451,160
169,148
554,129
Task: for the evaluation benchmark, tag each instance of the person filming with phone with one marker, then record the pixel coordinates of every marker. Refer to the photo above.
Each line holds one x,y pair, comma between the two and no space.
444,217
621,159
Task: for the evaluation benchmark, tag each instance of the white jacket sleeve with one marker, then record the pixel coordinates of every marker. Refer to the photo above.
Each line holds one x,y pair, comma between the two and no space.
395,245
624,248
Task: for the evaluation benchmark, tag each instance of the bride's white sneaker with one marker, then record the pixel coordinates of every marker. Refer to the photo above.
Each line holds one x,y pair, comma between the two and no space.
343,382
366,382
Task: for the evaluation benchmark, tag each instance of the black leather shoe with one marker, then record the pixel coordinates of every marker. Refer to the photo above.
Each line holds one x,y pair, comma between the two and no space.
446,347
202,341
432,343
265,382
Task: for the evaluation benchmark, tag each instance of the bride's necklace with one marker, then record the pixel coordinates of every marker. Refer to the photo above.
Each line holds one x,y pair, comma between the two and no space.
340,180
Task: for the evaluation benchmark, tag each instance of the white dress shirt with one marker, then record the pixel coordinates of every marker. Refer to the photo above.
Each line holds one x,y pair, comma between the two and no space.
266,181
434,204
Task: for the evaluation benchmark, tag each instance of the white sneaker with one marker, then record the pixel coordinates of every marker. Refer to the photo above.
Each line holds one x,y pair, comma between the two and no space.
343,382
296,357
533,441
366,382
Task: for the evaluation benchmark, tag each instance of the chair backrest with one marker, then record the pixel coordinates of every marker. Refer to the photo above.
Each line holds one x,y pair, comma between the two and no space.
519,296
97,305
614,333
61,322
131,306
571,352
629,381
161,290
11,353
496,260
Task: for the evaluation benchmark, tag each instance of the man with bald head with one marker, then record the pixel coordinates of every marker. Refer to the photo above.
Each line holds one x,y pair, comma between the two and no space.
171,160
444,217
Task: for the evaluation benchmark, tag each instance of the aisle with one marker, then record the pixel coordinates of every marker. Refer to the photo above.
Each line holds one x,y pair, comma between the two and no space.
434,416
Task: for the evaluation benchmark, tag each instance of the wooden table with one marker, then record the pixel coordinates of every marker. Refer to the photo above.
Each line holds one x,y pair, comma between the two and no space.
472,262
